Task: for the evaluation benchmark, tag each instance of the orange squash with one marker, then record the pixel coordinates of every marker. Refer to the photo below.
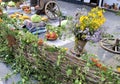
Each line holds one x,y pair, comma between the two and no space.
103,68
0,1
25,7
27,11
94,60
99,65
40,42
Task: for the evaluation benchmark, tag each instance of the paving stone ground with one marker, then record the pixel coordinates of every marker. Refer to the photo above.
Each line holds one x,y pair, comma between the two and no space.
112,26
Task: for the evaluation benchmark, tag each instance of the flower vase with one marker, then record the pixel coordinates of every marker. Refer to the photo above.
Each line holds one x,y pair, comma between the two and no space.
78,47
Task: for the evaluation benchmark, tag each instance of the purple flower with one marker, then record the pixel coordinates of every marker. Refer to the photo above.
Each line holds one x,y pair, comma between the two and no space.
95,37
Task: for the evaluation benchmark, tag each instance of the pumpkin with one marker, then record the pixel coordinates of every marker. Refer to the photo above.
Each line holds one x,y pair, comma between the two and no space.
44,19
25,17
27,11
0,1
25,7
12,15
40,42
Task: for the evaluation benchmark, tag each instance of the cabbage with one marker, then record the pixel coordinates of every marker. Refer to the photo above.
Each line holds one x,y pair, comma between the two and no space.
35,18
64,22
11,3
2,3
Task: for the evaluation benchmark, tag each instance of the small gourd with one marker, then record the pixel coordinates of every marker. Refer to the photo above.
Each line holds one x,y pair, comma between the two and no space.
0,1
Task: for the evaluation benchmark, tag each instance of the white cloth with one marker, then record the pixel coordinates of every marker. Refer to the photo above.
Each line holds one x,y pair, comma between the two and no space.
1,82
59,43
87,1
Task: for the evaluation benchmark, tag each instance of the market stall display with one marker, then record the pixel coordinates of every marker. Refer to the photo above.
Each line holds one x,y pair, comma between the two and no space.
35,60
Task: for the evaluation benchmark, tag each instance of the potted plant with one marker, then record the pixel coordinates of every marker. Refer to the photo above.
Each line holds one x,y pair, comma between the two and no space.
87,27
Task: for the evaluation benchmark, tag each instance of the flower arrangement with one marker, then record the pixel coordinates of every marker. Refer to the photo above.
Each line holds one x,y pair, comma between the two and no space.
88,27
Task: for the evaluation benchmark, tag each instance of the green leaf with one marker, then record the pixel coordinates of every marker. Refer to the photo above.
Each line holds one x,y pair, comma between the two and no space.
69,72
58,62
102,79
76,81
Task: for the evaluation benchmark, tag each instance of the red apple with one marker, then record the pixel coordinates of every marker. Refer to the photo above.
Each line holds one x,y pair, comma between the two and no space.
52,36
47,35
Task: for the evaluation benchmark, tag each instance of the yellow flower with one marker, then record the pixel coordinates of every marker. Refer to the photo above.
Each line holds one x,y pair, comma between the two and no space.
66,49
81,18
82,27
94,9
93,15
86,17
89,14
93,20
77,25
100,14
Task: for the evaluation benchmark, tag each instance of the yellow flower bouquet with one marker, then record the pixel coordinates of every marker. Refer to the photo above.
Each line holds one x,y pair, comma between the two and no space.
88,26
